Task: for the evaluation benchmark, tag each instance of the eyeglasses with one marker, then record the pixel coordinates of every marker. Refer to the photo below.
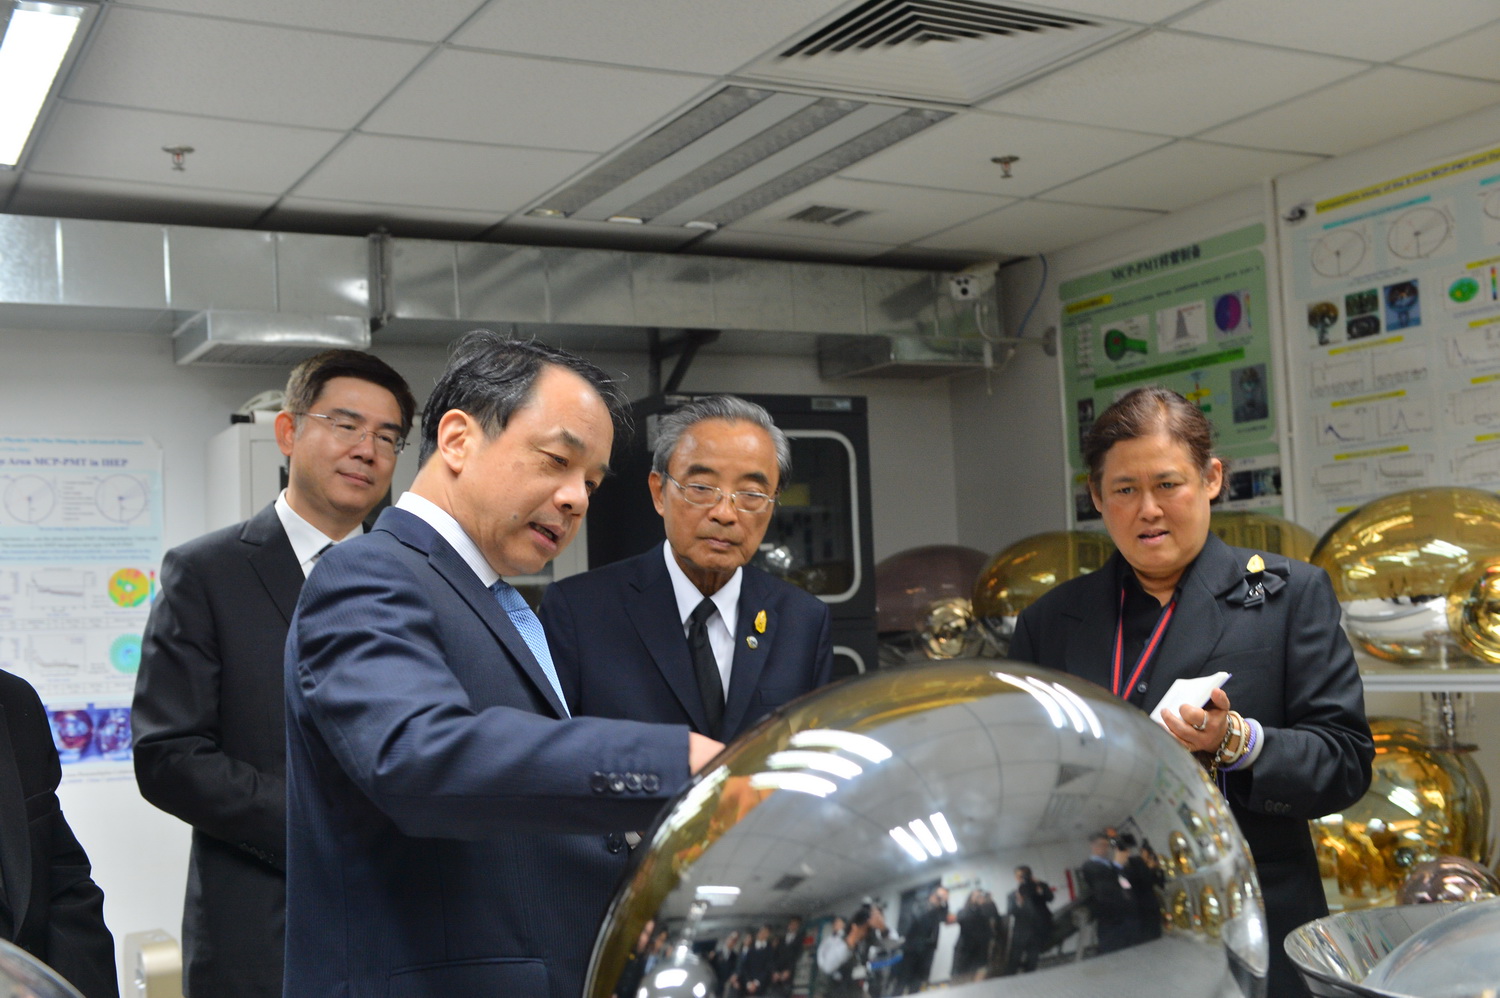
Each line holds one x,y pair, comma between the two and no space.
711,495
387,444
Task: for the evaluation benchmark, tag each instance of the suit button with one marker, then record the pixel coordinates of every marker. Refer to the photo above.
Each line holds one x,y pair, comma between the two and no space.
616,783
633,782
598,783
650,783
614,842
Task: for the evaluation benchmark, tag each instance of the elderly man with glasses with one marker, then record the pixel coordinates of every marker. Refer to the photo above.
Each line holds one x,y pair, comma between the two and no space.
689,632
209,717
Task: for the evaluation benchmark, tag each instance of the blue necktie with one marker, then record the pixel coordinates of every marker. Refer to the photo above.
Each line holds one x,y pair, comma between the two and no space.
530,627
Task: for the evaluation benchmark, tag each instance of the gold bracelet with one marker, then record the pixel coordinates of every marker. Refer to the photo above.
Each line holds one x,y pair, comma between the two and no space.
1235,729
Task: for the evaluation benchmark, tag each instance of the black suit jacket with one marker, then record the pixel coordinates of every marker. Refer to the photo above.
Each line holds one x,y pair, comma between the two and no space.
210,744
620,651
438,810
50,905
1291,669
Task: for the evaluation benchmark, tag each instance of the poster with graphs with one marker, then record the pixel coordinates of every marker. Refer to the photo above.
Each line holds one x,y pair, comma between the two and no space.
1194,319
80,542
1393,294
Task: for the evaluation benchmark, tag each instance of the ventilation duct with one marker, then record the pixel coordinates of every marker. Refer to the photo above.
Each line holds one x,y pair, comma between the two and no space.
231,296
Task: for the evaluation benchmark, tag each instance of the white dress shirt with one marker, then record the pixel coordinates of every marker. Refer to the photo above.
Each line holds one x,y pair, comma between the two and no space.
721,625
308,542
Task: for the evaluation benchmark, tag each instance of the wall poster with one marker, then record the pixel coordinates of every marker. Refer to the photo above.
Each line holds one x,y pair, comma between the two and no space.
80,543
1194,319
1393,314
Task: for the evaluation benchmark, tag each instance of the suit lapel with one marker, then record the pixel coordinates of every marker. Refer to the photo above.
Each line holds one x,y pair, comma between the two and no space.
651,605
15,834
1198,621
273,560
417,533
756,595
1091,634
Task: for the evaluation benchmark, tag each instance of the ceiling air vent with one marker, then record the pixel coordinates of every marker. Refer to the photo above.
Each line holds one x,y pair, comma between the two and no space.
955,51
787,882
232,337
822,214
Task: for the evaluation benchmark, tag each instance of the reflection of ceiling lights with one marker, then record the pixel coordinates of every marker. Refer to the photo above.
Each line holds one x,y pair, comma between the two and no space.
719,897
920,841
1062,705
824,762
805,783
861,745
731,155
37,40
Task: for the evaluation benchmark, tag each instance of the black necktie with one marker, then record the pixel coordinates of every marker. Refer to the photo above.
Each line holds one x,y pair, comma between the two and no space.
706,666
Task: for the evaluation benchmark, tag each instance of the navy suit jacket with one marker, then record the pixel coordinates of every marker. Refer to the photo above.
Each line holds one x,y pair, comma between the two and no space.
1291,669
438,809
619,647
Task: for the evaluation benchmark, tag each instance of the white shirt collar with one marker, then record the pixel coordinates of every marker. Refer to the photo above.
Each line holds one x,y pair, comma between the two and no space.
308,542
727,599
442,521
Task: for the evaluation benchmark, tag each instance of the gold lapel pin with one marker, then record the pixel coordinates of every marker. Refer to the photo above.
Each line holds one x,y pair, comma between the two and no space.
751,642
760,623
1255,564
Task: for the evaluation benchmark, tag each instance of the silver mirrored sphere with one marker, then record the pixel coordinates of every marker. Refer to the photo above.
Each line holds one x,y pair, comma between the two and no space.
903,815
24,976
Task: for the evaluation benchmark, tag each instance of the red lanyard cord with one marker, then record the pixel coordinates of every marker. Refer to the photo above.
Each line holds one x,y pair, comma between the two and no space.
1146,653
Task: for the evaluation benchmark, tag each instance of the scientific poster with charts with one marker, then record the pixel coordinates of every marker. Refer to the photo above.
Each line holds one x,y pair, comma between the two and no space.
80,543
1196,319
1393,314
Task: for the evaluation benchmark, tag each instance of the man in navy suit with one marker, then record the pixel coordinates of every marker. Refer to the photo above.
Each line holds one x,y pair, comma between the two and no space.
446,818
629,638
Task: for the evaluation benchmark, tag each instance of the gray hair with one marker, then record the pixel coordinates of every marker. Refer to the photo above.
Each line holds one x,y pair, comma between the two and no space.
730,408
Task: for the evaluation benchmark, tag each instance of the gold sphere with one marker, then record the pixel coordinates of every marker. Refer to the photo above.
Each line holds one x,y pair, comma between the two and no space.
1021,574
1474,610
1423,802
1263,532
1394,563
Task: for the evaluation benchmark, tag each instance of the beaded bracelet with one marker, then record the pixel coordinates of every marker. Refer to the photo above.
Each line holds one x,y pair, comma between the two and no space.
1249,747
1234,731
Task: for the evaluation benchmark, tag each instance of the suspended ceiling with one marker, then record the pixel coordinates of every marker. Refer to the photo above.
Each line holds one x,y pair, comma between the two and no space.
461,118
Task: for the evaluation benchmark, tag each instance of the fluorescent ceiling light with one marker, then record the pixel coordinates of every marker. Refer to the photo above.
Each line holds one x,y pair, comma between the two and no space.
801,782
905,841
924,835
944,831
823,762
37,40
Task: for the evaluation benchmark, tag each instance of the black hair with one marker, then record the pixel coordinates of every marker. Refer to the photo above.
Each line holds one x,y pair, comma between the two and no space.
490,376
308,379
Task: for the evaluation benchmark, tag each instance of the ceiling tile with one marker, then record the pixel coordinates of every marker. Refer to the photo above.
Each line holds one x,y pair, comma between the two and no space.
1035,227
597,235
1472,54
427,173
173,62
124,144
1173,84
1138,11
898,214
428,21
1179,175
662,34
122,201
1378,30
956,154
531,102
1359,112
787,247
353,218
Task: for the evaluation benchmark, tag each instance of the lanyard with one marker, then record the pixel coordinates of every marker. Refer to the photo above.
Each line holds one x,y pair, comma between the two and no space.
1146,653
